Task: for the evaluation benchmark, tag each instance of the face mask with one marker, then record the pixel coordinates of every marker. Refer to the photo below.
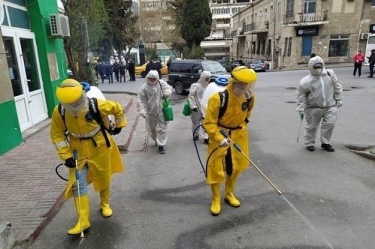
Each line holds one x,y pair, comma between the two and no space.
151,81
316,71
75,107
239,89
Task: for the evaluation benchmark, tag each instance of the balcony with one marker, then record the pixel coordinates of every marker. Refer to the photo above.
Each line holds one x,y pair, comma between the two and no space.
257,27
239,32
306,19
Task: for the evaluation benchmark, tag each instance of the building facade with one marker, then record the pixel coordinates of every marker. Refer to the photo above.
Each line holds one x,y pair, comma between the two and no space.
219,43
286,32
32,65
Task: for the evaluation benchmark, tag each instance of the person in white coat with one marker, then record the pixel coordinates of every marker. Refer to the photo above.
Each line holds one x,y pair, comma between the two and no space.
195,97
319,94
150,106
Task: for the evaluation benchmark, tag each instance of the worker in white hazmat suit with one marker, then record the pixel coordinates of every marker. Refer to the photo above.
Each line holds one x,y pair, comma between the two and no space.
195,97
319,95
150,106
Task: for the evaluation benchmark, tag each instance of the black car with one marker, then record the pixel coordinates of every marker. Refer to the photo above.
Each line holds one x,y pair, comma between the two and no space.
233,64
183,73
258,65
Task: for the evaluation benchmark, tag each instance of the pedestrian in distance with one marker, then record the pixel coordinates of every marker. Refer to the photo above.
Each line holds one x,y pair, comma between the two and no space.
358,59
149,66
102,71
131,70
195,97
169,63
319,94
109,71
150,106
74,128
116,70
371,60
122,71
157,66
225,163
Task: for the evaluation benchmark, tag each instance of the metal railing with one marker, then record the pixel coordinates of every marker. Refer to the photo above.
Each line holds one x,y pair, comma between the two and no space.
295,18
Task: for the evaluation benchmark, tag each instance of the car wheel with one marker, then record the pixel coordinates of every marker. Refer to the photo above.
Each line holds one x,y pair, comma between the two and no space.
179,88
143,74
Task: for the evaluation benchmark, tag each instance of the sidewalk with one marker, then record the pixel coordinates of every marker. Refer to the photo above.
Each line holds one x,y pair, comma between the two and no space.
30,191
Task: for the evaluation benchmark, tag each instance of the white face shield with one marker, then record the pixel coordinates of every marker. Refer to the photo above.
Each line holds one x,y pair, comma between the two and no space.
240,88
76,106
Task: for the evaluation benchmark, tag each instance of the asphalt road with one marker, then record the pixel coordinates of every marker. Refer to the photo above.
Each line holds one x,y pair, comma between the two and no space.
162,201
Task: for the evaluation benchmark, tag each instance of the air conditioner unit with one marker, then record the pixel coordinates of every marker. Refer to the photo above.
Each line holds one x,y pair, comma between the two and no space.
59,25
364,36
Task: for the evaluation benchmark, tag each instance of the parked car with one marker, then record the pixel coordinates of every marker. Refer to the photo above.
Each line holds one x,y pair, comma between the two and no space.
183,73
141,70
233,64
258,65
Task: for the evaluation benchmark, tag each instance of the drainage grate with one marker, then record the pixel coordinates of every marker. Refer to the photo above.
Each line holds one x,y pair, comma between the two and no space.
291,88
291,102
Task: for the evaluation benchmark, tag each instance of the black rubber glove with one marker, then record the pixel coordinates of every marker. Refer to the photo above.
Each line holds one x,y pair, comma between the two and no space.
70,162
194,109
116,130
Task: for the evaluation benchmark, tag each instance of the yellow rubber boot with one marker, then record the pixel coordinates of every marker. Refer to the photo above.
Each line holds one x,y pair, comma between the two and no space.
83,214
216,201
229,196
104,203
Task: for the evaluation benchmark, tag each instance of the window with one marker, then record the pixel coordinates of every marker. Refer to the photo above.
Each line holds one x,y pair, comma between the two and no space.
373,3
309,6
288,46
289,8
338,46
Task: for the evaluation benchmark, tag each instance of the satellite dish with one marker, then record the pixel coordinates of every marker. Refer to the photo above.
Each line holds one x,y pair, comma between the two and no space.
2,14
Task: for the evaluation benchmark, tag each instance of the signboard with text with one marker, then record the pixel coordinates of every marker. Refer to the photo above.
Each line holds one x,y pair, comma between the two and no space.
307,31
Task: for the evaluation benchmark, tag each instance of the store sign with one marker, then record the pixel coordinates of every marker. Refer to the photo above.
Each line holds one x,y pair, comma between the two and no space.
372,28
307,31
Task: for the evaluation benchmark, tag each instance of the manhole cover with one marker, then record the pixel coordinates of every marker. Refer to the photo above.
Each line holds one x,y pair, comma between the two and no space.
291,88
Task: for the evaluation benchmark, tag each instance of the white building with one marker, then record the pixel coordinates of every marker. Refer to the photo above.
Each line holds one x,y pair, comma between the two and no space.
219,43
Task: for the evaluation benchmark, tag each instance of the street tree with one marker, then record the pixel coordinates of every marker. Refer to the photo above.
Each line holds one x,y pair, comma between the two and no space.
121,32
86,21
195,21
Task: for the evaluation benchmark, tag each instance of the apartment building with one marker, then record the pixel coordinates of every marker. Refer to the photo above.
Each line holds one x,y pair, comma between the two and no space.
286,32
219,43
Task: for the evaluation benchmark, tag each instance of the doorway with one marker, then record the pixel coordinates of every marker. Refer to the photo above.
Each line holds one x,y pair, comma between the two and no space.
24,73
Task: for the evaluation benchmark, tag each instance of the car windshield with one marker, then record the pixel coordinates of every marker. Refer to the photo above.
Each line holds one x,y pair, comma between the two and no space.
256,61
213,67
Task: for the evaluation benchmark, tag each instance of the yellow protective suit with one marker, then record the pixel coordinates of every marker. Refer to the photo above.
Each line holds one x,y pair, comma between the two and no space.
234,117
102,161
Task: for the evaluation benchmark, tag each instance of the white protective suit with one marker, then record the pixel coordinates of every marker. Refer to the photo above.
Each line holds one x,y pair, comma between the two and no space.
218,86
195,97
150,106
318,96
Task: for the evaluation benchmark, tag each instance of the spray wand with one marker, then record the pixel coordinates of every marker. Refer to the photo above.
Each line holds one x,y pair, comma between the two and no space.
75,157
237,147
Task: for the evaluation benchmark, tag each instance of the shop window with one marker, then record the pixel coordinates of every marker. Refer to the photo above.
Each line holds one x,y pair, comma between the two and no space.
18,2
338,46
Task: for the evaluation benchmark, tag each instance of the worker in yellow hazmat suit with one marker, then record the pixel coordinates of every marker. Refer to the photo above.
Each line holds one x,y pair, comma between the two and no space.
225,162
98,155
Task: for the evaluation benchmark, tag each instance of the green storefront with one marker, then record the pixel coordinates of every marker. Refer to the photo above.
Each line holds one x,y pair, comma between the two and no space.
32,64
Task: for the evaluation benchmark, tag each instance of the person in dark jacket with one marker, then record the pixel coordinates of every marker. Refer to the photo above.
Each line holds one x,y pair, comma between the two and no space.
131,69
109,72
149,66
116,70
101,69
122,71
158,66
169,63
371,60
